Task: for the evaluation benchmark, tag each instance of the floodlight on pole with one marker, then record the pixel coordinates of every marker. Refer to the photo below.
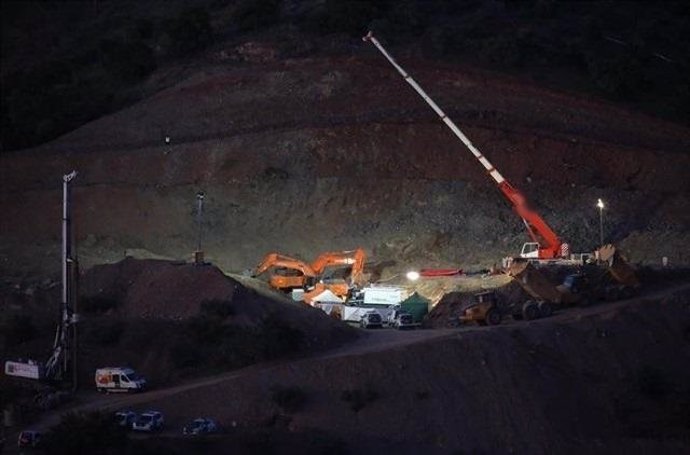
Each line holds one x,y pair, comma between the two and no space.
600,205
412,275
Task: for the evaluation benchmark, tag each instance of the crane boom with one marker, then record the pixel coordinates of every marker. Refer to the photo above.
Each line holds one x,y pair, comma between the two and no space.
548,245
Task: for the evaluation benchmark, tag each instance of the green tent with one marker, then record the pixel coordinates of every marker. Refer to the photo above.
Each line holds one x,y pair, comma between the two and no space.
416,305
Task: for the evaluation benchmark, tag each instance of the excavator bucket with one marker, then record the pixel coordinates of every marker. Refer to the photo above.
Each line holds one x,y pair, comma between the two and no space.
533,281
620,270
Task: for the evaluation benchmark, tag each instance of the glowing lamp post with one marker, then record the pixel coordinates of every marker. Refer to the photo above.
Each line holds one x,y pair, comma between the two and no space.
600,205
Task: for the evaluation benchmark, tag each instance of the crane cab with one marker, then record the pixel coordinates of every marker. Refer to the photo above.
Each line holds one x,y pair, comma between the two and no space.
530,250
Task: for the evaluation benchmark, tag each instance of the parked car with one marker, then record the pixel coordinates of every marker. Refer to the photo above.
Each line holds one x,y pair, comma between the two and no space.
371,319
125,418
202,425
29,438
148,421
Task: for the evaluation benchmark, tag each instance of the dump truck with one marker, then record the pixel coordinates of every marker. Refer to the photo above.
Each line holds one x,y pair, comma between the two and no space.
484,309
608,278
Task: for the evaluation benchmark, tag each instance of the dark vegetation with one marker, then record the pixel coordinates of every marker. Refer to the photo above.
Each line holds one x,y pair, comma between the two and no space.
91,58
358,399
17,329
97,432
208,340
290,399
82,433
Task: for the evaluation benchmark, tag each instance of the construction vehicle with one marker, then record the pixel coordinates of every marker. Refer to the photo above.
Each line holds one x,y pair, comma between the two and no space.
354,258
63,357
545,244
610,279
484,309
292,274
618,268
289,273
342,288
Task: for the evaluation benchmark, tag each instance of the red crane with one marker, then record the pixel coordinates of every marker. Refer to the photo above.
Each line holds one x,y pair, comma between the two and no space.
545,242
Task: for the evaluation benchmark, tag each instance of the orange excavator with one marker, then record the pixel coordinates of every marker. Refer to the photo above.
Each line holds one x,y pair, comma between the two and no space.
545,242
340,288
355,258
290,273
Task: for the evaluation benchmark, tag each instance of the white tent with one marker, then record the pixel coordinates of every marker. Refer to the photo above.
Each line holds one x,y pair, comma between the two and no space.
327,297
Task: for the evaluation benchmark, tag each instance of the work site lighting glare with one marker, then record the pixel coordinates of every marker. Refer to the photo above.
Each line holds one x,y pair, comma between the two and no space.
412,275
600,205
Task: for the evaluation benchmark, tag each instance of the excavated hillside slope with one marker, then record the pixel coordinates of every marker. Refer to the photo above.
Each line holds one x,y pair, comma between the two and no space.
316,154
613,379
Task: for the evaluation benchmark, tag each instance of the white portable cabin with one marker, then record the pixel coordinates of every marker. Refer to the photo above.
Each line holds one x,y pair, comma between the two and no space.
383,295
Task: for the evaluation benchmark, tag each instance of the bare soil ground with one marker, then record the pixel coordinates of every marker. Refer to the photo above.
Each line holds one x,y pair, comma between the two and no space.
317,154
309,155
604,379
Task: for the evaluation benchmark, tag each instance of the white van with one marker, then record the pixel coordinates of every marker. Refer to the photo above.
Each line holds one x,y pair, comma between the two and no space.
119,380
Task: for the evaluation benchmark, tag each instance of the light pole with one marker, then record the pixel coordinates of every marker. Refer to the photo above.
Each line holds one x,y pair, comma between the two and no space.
600,205
198,257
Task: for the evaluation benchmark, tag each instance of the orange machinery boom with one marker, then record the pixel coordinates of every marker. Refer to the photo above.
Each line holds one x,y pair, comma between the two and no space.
298,273
549,244
356,258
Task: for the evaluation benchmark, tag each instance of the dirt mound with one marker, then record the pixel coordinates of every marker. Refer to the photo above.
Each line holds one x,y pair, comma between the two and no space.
610,377
453,304
157,289
202,319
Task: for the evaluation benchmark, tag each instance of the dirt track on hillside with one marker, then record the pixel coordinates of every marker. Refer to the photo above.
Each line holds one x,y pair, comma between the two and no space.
374,347
305,156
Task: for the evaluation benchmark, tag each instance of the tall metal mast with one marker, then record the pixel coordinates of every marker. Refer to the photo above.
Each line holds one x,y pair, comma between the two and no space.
59,361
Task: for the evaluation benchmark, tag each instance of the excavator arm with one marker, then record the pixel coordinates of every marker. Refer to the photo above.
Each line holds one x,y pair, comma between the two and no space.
279,260
547,242
299,272
355,258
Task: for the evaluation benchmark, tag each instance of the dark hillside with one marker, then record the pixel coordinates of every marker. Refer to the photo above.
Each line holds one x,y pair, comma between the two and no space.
81,60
